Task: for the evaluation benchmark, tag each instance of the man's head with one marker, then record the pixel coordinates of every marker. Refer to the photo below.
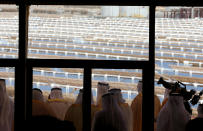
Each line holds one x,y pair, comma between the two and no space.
102,88
37,94
118,94
79,97
56,93
103,85
107,100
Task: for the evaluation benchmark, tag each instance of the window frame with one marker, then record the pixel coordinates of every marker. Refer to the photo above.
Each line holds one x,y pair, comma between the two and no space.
24,66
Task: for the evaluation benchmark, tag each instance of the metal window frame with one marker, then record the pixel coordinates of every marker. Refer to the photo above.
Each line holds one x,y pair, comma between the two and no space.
24,66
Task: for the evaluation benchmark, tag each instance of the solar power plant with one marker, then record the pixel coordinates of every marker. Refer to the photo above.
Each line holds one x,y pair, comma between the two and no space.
178,49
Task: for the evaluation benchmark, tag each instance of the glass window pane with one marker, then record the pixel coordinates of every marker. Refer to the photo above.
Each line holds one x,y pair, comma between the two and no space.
179,48
89,32
7,95
55,93
9,31
123,84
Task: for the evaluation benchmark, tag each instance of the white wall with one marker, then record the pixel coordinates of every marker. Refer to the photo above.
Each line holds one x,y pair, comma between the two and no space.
125,11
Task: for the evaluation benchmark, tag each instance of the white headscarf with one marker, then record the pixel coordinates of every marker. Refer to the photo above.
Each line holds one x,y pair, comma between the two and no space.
102,88
125,108
79,98
139,87
109,115
37,94
56,93
117,94
173,116
6,108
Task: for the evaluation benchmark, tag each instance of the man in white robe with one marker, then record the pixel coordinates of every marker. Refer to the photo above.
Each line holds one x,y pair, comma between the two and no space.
173,116
39,106
37,94
102,88
74,113
166,95
6,109
110,118
125,108
136,107
57,102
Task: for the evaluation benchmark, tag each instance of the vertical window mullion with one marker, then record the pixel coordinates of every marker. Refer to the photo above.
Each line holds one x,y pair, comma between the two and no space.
21,69
86,103
148,78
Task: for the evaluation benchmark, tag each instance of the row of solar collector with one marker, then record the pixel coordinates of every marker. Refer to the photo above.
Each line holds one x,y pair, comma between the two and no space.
108,48
80,30
57,26
107,20
90,19
98,49
192,39
43,26
177,72
119,33
95,44
74,25
118,39
100,77
99,56
102,34
109,77
142,45
175,62
160,44
115,42
79,22
186,20
67,88
78,19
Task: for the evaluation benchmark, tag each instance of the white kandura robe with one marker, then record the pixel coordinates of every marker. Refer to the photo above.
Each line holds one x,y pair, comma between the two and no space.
110,116
6,109
173,116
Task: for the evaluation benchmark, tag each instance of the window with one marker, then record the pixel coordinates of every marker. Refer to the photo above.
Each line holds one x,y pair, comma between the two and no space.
178,47
25,66
9,31
88,32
